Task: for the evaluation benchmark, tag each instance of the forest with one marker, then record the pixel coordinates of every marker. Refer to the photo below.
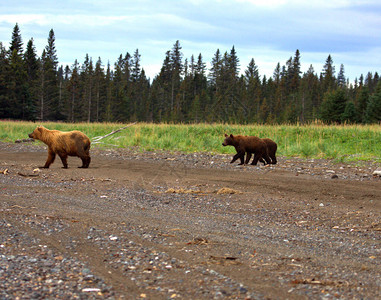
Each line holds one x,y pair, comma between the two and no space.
40,89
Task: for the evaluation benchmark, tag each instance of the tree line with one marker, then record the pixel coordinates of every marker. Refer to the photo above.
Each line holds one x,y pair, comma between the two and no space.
37,88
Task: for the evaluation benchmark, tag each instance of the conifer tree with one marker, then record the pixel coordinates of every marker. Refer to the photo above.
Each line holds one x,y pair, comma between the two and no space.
333,107
215,71
349,114
361,103
108,114
295,72
310,95
176,72
52,109
4,83
74,92
135,72
100,87
17,93
328,75
16,42
373,109
254,92
32,68
341,82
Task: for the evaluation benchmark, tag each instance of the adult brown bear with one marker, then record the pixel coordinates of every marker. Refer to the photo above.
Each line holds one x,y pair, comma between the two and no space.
249,145
72,143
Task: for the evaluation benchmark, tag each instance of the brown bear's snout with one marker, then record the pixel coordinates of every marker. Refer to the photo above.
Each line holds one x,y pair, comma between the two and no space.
30,135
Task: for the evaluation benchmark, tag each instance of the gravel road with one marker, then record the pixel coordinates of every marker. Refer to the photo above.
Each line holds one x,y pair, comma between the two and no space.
167,225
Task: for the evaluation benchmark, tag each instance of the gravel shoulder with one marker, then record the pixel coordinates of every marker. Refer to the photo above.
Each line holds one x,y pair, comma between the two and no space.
161,225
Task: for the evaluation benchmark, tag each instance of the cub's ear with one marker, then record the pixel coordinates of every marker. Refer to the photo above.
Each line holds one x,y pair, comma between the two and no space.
40,128
226,135
231,135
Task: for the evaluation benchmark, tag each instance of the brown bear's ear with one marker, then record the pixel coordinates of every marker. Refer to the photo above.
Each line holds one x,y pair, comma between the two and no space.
226,135
231,135
39,128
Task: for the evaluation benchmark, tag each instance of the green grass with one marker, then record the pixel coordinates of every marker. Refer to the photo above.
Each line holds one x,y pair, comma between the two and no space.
339,142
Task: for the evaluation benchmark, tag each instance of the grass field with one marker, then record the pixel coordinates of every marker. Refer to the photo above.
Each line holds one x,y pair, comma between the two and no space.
339,142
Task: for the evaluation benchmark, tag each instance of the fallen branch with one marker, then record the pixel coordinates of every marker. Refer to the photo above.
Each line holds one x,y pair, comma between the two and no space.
105,144
98,138
28,175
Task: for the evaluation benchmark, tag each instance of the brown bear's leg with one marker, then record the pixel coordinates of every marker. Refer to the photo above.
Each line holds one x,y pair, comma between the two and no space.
88,161
273,160
50,160
63,159
235,157
267,158
256,158
262,161
85,161
248,156
239,155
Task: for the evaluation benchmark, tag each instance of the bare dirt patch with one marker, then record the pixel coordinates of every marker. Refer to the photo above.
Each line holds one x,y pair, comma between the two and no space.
162,225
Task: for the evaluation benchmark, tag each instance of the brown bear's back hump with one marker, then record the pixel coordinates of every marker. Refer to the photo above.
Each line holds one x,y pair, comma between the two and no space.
252,143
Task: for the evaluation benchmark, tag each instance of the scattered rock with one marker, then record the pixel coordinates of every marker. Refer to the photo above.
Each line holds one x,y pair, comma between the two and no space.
377,172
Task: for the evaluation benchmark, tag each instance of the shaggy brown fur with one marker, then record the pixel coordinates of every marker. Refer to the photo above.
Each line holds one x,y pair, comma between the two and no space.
249,145
72,143
271,150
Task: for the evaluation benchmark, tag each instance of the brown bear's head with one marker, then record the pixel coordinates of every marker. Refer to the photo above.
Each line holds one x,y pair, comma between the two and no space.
36,134
228,140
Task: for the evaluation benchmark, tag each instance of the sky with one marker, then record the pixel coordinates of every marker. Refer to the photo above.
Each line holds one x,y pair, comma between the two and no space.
268,31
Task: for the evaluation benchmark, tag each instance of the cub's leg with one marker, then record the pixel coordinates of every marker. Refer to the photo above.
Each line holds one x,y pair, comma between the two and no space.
238,155
256,158
248,156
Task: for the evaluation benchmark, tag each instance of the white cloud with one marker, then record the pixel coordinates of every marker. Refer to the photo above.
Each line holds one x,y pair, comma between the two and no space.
268,31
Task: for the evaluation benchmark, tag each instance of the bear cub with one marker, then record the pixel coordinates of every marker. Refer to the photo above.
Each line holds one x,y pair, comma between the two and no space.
247,144
64,144
271,150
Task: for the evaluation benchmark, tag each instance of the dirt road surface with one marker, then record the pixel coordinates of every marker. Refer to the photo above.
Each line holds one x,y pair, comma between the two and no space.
161,225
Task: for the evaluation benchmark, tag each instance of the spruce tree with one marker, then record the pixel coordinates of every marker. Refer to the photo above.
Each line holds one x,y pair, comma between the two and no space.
135,72
328,75
52,109
215,71
373,109
254,92
349,114
16,42
74,92
176,72
341,81
32,68
4,83
17,78
295,73
361,103
333,107
100,87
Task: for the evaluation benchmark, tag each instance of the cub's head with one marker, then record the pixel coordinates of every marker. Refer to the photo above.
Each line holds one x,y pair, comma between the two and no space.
36,134
228,140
